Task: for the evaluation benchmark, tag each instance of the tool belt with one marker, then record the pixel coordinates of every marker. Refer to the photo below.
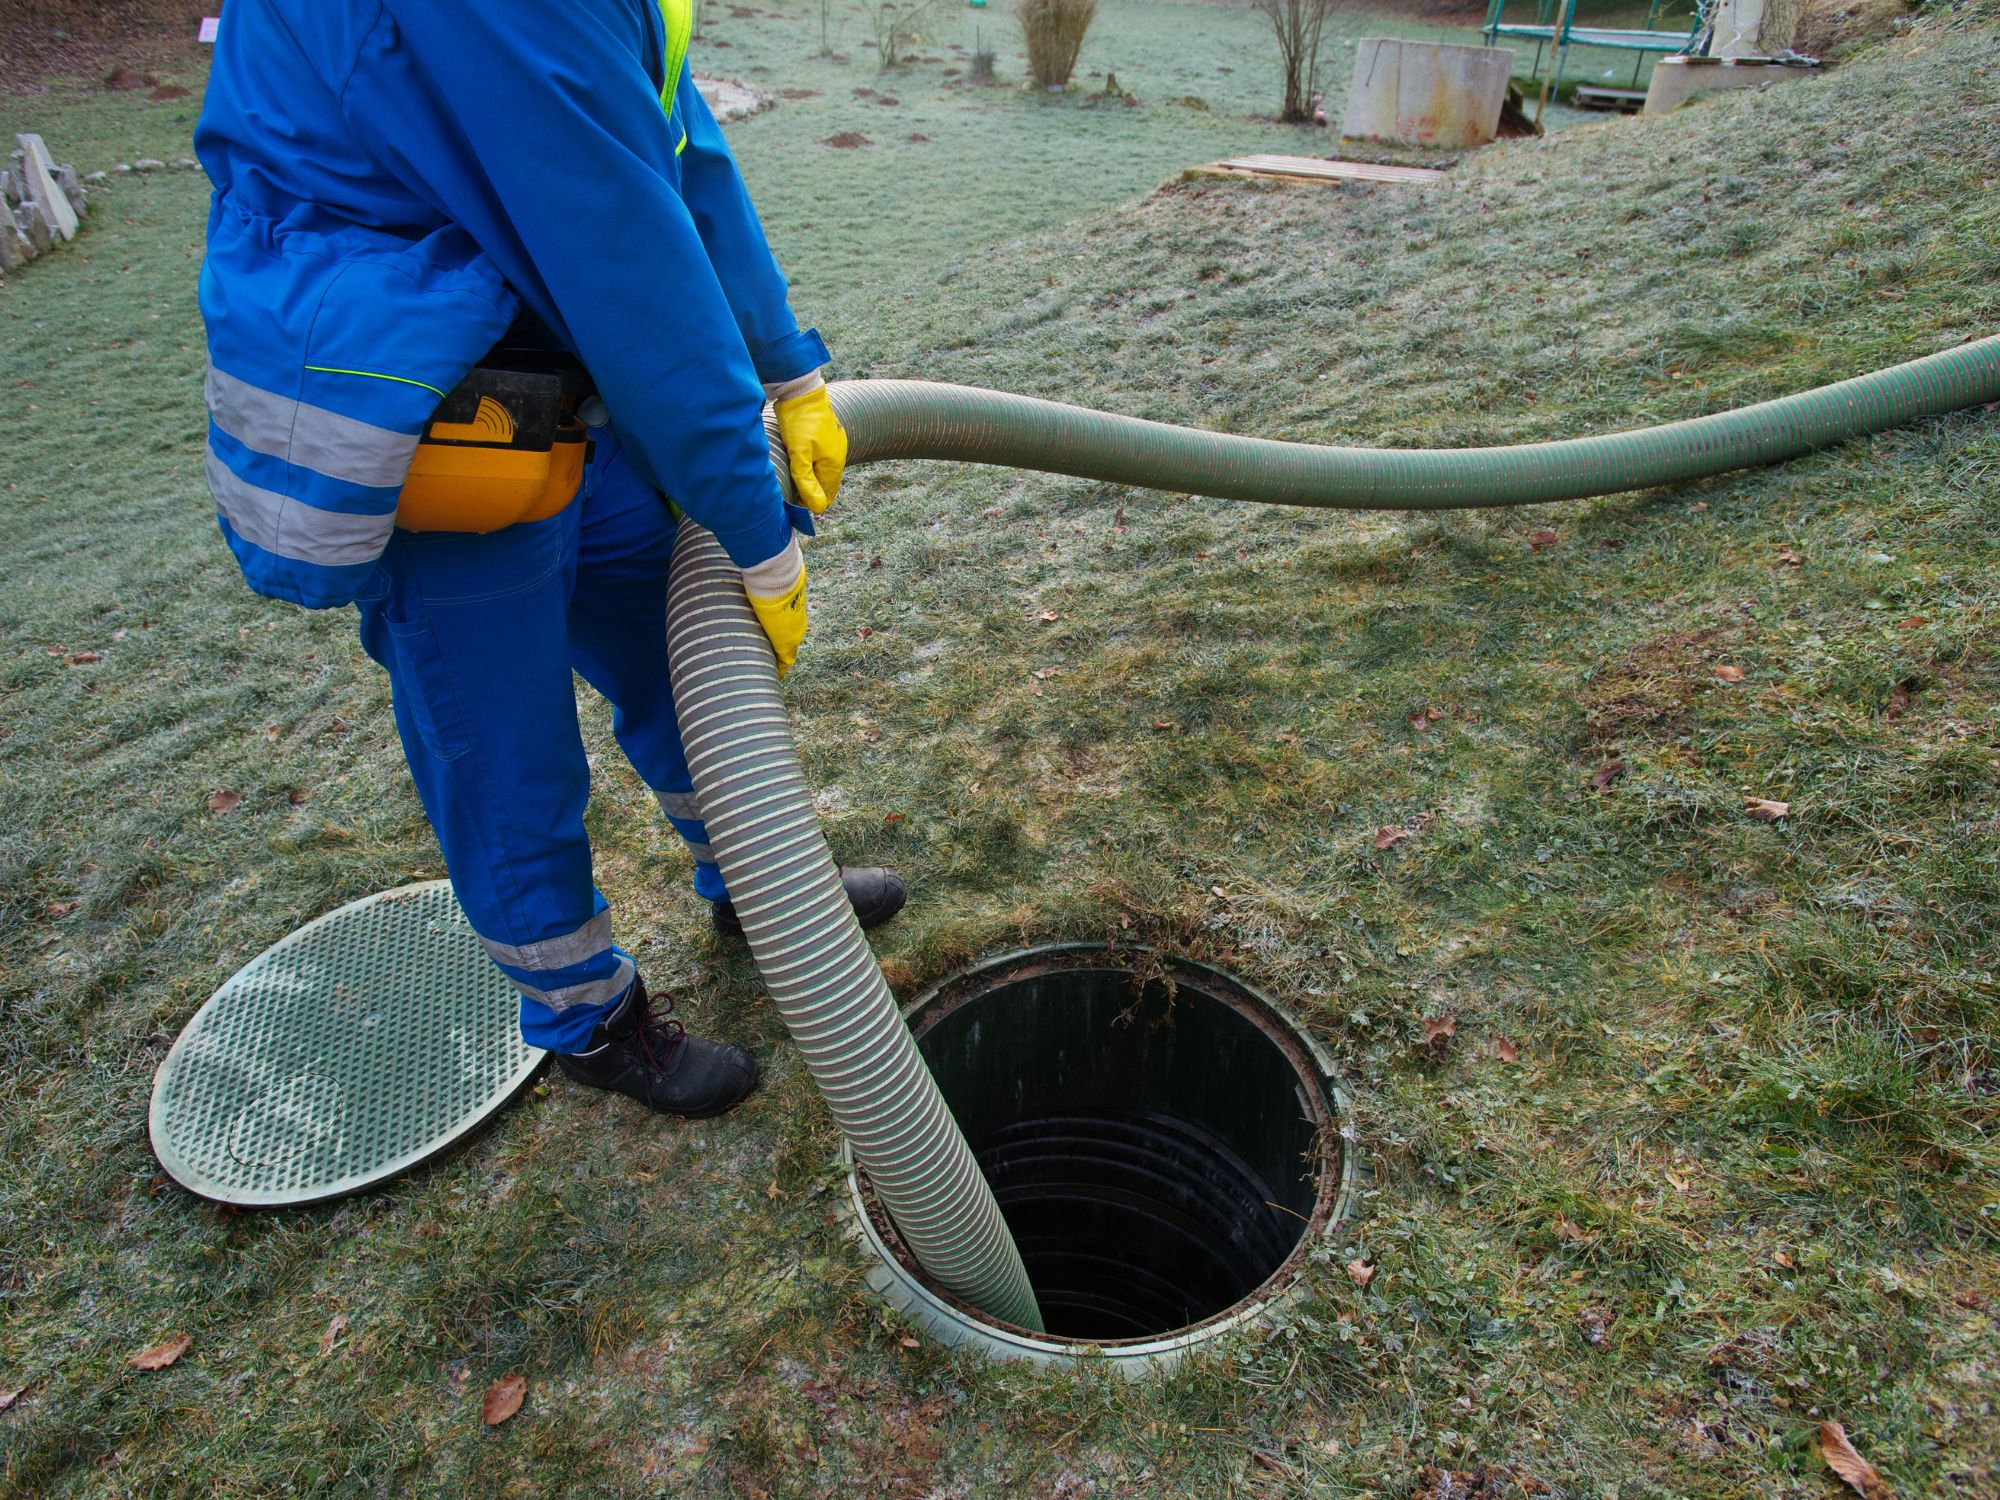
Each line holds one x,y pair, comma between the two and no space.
506,446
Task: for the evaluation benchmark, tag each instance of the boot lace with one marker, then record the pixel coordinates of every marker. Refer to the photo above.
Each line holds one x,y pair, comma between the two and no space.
660,1038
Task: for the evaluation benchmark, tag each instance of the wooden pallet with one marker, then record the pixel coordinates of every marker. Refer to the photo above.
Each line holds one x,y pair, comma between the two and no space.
1320,169
1626,101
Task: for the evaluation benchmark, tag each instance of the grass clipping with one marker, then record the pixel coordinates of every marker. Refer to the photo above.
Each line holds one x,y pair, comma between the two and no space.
1054,31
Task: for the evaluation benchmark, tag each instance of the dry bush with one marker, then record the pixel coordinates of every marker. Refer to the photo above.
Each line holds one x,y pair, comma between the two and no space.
1297,24
1054,31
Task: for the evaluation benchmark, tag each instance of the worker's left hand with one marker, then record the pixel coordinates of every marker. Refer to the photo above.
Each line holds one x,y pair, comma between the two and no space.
815,443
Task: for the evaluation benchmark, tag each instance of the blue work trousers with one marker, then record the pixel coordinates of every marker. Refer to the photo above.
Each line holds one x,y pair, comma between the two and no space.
479,636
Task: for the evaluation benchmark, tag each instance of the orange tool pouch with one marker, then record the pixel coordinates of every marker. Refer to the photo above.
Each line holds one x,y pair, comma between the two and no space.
504,447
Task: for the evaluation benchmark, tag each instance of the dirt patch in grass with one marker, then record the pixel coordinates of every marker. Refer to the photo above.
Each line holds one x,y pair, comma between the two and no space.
1646,696
847,140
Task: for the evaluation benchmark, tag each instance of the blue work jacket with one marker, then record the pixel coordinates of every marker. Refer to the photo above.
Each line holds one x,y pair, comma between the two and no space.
396,182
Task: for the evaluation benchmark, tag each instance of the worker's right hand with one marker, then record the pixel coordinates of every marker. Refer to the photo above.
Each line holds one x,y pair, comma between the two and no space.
777,591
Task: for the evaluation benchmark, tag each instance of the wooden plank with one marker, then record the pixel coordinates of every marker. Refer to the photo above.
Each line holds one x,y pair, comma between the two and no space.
1321,169
42,189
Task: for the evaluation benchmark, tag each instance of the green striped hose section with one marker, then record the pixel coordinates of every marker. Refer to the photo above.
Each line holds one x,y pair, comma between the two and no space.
889,419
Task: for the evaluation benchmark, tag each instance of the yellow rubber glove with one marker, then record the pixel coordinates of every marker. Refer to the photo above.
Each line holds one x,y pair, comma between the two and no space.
815,442
777,591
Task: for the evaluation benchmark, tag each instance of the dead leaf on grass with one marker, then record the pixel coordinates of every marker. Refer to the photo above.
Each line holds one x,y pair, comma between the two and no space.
1542,539
1901,697
1360,1272
503,1399
1595,1324
1438,1031
1506,1051
1388,838
909,1343
1764,810
10,1396
1607,773
1861,1475
335,1327
1783,1260
221,802
298,796
162,1354
1728,673
84,658
1047,616
1787,558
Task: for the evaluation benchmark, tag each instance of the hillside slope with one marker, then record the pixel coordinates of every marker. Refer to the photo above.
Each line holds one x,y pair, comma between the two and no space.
1710,1155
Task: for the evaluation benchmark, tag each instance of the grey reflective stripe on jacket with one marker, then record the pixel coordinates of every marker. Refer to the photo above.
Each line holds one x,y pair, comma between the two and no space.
292,528
312,437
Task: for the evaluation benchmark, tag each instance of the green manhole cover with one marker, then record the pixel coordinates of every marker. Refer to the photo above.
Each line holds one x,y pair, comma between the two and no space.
366,1042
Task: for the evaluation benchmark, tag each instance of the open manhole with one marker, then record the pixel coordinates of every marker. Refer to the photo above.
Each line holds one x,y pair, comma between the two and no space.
1166,1145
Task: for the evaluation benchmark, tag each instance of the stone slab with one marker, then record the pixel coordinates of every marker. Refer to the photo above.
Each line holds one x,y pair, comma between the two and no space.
1679,79
42,189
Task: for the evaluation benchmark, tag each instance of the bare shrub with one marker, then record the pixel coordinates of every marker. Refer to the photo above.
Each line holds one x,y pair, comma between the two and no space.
1298,25
899,26
1054,31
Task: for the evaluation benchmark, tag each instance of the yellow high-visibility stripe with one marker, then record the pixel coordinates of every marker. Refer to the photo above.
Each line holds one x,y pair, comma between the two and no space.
679,18
375,375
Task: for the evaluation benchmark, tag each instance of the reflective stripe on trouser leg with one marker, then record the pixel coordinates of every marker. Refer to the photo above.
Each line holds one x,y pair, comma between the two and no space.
471,631
618,637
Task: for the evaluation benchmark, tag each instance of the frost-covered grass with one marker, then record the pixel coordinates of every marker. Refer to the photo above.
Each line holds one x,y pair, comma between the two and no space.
1741,1173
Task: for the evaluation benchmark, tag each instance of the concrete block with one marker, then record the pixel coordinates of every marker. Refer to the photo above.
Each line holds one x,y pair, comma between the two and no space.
14,247
72,189
1679,79
35,227
42,189
1426,94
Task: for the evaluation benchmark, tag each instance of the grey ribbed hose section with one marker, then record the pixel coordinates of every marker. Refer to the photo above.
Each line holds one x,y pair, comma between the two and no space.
810,950
889,419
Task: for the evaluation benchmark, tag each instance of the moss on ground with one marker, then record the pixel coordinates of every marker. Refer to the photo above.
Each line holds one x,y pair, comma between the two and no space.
1711,1154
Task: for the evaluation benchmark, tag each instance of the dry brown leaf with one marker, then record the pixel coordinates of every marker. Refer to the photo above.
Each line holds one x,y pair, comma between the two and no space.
1163,726
1388,838
503,1399
771,1191
1783,1261
1607,773
1506,1051
1118,519
1048,617
84,658
161,1355
1787,558
222,802
336,1326
270,731
1861,1475
1728,673
863,632
9,1396
1043,674
1766,811
299,796
1360,1272
1438,1032
909,1343
1543,539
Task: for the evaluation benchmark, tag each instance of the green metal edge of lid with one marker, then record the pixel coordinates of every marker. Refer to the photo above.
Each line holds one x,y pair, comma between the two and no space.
350,1051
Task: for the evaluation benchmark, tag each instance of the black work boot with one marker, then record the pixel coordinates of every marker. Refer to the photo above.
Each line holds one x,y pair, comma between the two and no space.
875,893
654,1060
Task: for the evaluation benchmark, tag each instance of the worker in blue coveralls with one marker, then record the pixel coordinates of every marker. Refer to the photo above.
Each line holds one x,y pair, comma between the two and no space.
401,186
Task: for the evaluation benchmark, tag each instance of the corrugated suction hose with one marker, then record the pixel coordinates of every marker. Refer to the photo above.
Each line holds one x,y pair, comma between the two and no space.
808,947
760,814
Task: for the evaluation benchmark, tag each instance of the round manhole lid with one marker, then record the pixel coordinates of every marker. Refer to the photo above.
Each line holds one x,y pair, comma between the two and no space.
356,1048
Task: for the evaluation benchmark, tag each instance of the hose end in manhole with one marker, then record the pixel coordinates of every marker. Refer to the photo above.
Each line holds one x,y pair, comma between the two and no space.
1167,1145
